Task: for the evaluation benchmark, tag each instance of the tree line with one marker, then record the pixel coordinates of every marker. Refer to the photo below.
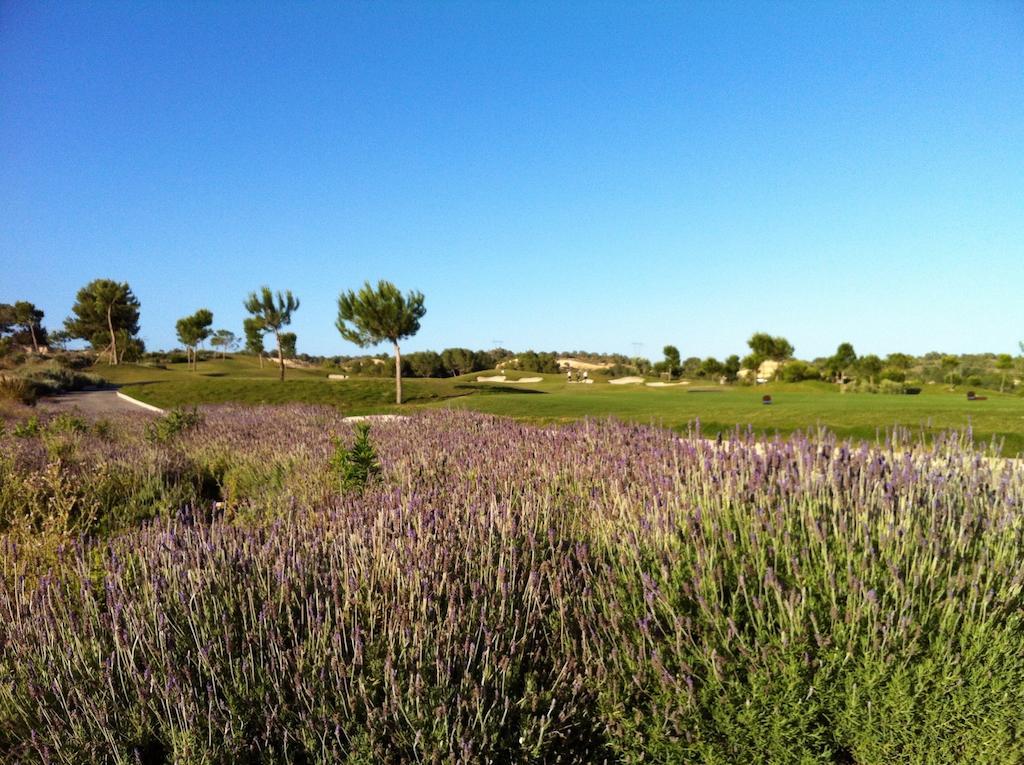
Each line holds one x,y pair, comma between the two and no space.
105,314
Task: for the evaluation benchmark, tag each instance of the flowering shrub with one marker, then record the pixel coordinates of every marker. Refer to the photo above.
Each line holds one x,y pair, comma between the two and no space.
506,593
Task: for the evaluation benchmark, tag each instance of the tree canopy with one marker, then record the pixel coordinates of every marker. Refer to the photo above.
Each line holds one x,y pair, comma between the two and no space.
105,312
6,318
253,328
672,363
288,341
767,347
225,340
192,330
24,322
376,314
271,312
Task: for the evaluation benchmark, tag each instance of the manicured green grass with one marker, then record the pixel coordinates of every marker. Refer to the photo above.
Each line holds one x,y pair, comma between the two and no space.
363,396
795,407
719,408
232,366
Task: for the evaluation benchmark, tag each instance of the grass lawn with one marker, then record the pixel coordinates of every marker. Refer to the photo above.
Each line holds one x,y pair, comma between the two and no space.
796,407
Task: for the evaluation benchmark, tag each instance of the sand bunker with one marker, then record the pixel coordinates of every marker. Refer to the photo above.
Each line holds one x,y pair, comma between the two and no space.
665,384
627,381
577,364
503,379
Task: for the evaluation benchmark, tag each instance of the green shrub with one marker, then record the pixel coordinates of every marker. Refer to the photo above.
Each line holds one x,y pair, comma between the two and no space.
28,428
103,429
797,371
67,423
174,422
358,465
891,386
18,389
55,379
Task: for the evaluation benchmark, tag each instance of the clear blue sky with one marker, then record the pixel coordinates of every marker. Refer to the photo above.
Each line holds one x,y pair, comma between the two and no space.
551,175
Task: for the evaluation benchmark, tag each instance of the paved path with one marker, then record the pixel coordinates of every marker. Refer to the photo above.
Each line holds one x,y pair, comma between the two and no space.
95,403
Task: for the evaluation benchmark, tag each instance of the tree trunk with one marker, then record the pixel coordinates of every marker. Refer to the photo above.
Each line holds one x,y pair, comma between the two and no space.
398,374
261,359
32,331
280,353
113,339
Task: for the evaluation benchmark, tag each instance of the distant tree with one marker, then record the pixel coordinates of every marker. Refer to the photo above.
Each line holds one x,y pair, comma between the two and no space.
900,361
253,328
672,365
426,364
225,340
374,315
869,366
893,373
192,330
691,367
767,347
103,310
950,364
7,321
731,367
458,361
490,359
58,338
845,355
641,365
841,362
711,367
798,371
288,340
531,361
273,312
1004,363
30,318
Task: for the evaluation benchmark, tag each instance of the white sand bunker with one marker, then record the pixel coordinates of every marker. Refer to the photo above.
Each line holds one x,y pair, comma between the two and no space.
375,418
627,381
502,378
666,385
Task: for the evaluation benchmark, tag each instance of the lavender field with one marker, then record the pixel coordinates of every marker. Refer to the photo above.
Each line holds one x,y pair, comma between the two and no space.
504,593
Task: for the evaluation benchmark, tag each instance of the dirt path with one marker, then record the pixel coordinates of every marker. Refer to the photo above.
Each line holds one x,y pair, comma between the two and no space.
95,403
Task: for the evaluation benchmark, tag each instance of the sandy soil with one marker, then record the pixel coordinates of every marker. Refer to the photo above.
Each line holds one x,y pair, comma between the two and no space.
577,364
502,378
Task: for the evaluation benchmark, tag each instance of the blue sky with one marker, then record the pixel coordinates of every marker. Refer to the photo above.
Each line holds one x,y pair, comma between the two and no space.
550,175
